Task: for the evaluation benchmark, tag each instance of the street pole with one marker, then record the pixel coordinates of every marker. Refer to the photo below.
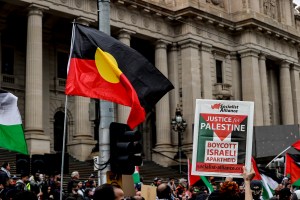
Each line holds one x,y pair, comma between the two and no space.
179,150
106,108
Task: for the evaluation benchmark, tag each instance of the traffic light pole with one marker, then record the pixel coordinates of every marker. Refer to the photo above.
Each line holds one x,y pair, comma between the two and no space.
106,108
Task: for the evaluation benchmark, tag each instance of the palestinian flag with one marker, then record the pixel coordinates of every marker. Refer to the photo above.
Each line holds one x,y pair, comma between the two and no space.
222,139
11,130
104,68
266,181
296,145
136,175
292,168
193,179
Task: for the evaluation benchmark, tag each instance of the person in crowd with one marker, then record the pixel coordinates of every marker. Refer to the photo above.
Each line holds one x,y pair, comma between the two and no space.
90,182
74,193
156,182
164,192
108,192
80,189
285,194
181,188
296,195
171,183
5,174
74,177
256,188
88,194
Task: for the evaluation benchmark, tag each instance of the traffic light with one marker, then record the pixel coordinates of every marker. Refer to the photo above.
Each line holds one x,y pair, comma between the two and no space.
125,149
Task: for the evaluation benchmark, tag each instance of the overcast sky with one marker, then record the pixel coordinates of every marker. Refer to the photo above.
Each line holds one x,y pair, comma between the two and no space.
297,2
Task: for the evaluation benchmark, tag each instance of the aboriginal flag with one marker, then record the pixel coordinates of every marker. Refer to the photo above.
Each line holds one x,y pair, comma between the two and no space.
104,68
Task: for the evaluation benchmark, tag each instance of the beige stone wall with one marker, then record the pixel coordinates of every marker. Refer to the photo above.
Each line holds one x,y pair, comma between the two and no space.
196,34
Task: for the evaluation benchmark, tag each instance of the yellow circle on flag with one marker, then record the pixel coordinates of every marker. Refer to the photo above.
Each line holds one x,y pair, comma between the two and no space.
107,66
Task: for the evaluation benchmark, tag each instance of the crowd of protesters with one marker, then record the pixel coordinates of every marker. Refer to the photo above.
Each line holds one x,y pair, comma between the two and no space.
42,187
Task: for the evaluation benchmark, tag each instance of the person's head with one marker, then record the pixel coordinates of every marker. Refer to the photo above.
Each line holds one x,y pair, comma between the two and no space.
75,175
108,192
6,166
285,194
256,188
75,186
163,191
229,188
89,192
24,177
137,198
296,195
80,184
183,182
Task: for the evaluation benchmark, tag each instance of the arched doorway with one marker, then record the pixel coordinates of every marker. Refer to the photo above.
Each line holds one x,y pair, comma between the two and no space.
59,131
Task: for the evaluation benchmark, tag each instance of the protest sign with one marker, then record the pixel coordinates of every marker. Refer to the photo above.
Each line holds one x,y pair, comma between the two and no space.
222,137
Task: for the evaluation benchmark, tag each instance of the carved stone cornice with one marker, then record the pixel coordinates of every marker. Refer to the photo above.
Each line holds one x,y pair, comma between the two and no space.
189,43
249,52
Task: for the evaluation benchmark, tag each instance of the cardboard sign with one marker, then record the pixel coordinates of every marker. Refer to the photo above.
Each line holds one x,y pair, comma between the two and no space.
148,192
222,137
123,181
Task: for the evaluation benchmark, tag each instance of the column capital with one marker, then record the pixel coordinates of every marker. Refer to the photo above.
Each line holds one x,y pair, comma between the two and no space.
125,33
262,56
233,55
36,9
84,21
249,52
295,67
161,44
173,46
285,64
188,43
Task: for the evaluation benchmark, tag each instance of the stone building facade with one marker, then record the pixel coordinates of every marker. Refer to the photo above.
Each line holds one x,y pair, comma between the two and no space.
211,49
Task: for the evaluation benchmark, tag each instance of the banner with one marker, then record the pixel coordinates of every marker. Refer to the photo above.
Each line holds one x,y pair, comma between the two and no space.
222,137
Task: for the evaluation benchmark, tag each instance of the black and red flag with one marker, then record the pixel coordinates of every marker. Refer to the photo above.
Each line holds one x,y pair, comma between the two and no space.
292,168
296,145
104,68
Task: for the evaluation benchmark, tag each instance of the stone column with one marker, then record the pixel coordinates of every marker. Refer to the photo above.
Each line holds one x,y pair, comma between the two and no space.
163,119
236,77
295,75
274,96
206,70
264,89
174,78
191,84
251,85
38,142
286,98
123,111
83,141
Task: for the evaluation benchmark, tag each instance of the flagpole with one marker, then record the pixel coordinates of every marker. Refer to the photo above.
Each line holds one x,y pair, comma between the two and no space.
106,108
278,156
65,120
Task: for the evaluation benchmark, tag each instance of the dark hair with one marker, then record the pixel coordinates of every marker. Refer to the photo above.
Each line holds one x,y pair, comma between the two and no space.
5,164
105,191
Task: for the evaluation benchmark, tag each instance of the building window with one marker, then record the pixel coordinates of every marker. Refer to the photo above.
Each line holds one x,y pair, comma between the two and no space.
62,62
7,61
219,72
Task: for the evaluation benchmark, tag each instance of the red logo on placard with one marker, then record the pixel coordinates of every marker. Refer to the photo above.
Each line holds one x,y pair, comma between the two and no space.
216,106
